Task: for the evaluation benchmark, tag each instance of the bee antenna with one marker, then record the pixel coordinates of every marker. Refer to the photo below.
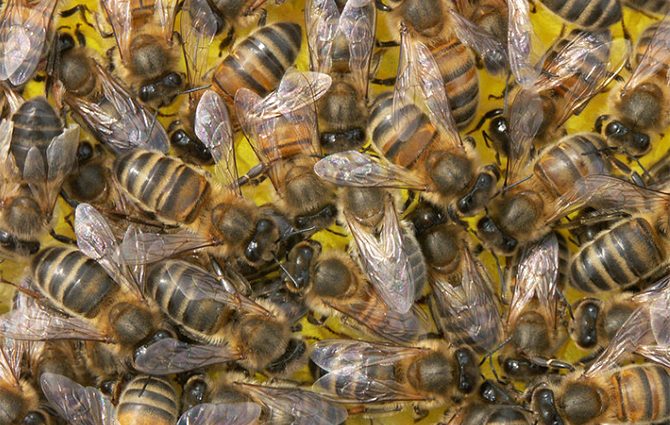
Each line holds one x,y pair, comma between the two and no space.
285,271
195,89
516,183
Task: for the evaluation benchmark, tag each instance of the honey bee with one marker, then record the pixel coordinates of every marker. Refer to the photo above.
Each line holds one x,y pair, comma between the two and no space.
483,414
281,129
144,39
448,36
428,375
534,327
587,14
490,16
24,29
637,107
601,265
340,45
227,15
660,7
94,295
145,399
209,310
20,400
331,282
280,404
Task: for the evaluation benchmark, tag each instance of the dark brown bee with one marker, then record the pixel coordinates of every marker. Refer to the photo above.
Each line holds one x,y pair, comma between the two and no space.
660,7
587,14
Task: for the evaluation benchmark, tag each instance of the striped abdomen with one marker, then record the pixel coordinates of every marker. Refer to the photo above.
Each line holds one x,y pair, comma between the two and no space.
660,30
73,281
587,13
162,185
200,317
148,400
641,393
573,157
458,69
259,62
653,6
406,144
619,258
35,124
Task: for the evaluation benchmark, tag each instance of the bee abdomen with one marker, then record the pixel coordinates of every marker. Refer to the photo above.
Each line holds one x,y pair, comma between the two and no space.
35,124
162,185
587,13
643,392
259,61
72,280
662,36
618,258
148,401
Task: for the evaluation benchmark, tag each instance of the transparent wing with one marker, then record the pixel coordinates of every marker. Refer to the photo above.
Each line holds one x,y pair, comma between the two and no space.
11,357
536,277
119,14
522,44
655,57
481,41
364,370
357,24
526,117
198,24
221,413
420,82
169,356
352,168
606,192
166,11
212,126
322,22
385,260
145,248
75,403
23,34
303,406
61,159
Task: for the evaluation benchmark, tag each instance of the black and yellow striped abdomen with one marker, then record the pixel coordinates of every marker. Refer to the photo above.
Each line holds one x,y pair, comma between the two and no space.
73,281
641,393
148,400
404,143
35,125
618,258
587,13
200,317
259,62
162,185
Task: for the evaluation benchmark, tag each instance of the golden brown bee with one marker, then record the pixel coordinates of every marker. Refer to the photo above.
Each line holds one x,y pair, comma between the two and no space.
332,283
143,35
638,107
256,335
490,16
428,375
281,129
587,14
24,29
340,44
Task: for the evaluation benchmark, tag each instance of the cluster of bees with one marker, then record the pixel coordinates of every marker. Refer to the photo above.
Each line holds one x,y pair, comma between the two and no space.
178,297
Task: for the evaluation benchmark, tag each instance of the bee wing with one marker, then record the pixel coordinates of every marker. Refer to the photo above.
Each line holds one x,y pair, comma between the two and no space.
61,159
168,356
212,126
166,11
526,117
119,14
221,413
356,364
198,26
420,82
322,23
522,45
472,306
626,341
659,312
23,34
481,41
352,168
11,356
75,403
606,192
536,277
303,406
145,248
357,24
654,58
386,261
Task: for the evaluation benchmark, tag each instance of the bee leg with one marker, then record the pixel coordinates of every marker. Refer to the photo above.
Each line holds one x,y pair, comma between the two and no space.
82,9
387,44
552,363
227,40
381,6
62,238
383,81
262,18
533,7
419,413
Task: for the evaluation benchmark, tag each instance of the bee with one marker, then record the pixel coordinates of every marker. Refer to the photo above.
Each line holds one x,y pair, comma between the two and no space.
24,29
144,39
638,107
279,404
449,37
340,42
331,283
20,400
228,325
660,7
145,399
533,325
587,14
94,296
602,265
490,16
281,129
428,375
482,414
